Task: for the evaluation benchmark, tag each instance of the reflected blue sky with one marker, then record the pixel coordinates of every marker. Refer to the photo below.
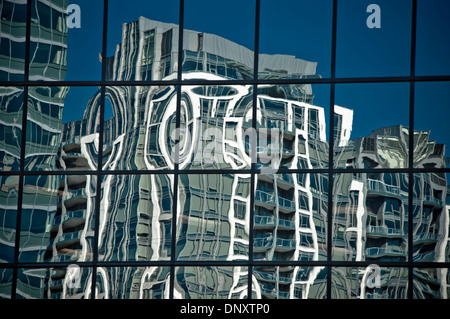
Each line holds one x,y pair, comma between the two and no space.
360,51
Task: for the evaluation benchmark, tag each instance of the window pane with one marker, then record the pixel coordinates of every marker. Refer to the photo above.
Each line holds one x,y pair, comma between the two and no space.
292,130
11,113
214,212
142,40
211,282
57,223
6,276
215,46
66,40
141,119
8,216
301,32
372,282
136,217
12,41
431,111
72,282
370,217
373,39
216,127
433,45
430,219
288,282
430,283
132,283
290,217
365,137
61,135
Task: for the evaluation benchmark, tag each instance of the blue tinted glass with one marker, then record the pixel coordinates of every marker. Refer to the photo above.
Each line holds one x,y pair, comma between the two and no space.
431,111
433,44
373,40
301,29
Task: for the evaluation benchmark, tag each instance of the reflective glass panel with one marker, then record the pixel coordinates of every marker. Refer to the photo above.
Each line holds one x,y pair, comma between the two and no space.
290,217
57,221
295,39
214,48
71,282
139,131
132,283
61,135
11,113
136,217
373,39
142,40
431,113
364,135
432,46
372,282
292,127
216,282
215,127
214,212
430,218
290,282
430,283
8,216
66,40
6,276
12,40
370,217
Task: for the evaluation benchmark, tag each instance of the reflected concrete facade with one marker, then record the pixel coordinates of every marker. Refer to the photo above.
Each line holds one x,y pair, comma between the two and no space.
370,210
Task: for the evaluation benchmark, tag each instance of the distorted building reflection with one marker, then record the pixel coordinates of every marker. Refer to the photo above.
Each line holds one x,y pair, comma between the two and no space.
290,211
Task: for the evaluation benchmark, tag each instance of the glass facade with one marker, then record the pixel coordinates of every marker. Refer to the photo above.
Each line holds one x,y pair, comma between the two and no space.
160,150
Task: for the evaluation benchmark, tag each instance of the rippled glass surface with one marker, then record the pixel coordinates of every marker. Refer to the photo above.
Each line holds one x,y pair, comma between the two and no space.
211,282
71,282
430,283
6,276
292,127
150,27
371,282
8,216
57,221
135,217
290,217
370,217
132,283
214,48
290,282
66,40
430,218
214,211
431,137
62,128
139,131
364,135
11,112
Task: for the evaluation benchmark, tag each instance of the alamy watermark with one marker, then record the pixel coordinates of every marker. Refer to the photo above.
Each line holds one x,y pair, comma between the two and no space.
374,278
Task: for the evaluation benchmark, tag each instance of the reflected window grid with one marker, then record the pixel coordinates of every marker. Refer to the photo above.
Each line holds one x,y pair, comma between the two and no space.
407,225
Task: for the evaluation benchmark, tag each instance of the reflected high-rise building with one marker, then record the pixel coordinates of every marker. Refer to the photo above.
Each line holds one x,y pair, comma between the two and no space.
290,212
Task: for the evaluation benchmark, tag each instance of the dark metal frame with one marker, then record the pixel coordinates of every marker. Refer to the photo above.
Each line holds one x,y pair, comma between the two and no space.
253,171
